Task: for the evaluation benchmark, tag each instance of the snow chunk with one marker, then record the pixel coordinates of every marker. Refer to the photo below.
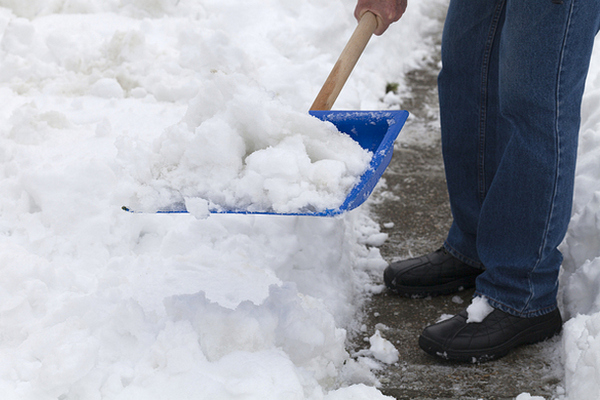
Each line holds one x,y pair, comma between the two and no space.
478,310
377,239
197,207
382,349
356,392
443,318
527,396
107,88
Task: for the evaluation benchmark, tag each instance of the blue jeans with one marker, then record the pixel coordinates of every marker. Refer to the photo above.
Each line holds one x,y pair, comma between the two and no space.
512,79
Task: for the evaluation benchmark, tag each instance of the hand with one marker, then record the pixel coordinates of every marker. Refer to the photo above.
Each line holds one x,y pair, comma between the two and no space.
387,11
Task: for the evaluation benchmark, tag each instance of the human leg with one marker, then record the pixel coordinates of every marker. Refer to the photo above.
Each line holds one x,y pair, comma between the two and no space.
544,51
526,175
467,44
467,87
507,142
467,57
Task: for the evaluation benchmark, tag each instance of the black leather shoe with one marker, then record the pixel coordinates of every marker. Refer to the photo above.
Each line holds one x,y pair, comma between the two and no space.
455,339
431,275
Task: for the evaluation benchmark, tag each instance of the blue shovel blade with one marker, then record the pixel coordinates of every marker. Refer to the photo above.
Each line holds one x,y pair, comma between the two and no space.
375,131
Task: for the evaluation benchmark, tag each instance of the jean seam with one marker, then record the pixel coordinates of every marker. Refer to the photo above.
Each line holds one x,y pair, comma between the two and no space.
484,95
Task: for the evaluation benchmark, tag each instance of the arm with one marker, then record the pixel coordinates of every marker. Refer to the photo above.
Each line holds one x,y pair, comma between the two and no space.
387,11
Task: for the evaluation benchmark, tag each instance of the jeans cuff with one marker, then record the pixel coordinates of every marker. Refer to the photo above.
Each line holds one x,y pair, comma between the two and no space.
510,310
459,256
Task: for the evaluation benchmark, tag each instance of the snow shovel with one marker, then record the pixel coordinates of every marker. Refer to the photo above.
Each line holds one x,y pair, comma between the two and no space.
373,130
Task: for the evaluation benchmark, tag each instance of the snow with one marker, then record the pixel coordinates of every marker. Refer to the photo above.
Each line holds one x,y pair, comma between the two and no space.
107,102
527,396
111,101
580,277
239,148
382,349
478,310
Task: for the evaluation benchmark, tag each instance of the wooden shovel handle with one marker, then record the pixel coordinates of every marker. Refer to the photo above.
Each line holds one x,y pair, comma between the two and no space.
346,62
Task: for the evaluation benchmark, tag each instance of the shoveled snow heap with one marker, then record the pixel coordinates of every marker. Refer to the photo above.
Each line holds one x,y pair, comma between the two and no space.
105,101
240,148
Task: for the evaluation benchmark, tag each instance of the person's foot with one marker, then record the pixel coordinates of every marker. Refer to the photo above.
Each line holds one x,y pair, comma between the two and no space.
431,275
456,340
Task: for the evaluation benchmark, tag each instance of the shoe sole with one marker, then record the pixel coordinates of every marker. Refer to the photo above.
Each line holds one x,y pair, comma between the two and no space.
533,334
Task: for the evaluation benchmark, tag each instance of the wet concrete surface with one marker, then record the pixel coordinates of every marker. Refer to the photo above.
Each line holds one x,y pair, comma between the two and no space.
414,211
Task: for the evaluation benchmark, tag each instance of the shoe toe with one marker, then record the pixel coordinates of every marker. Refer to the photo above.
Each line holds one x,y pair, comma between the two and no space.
431,275
398,273
457,340
436,339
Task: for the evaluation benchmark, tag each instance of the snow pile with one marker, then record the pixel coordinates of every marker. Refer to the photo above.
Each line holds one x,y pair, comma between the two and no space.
239,148
109,100
581,248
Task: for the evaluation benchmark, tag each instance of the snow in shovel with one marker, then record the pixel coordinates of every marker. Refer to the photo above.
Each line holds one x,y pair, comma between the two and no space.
238,148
